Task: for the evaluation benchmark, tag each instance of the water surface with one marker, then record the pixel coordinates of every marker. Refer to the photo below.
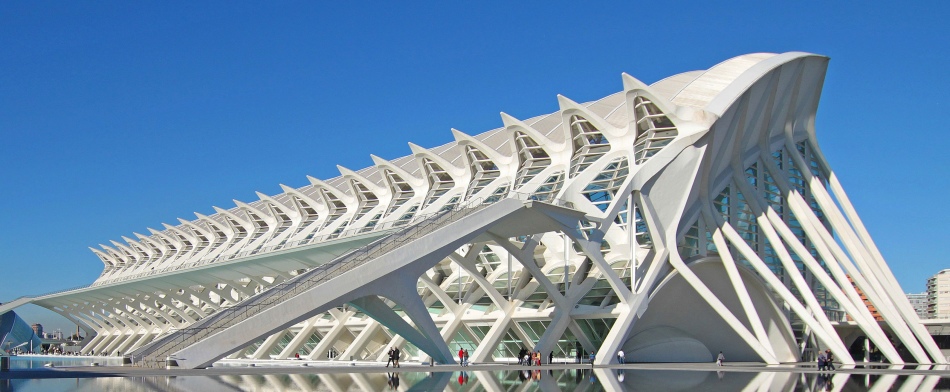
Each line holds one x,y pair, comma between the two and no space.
505,380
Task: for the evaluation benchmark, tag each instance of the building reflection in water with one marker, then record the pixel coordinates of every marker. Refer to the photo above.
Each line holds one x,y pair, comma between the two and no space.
513,380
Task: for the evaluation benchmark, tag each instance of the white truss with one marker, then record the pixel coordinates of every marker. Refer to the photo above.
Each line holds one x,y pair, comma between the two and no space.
713,222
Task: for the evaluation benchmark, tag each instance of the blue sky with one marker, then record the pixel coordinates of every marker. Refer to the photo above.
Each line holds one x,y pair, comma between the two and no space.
118,116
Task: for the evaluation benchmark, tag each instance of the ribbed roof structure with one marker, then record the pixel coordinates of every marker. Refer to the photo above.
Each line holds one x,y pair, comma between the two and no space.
607,225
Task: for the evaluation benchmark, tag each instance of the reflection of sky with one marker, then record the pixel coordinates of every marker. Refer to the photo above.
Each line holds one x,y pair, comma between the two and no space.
526,380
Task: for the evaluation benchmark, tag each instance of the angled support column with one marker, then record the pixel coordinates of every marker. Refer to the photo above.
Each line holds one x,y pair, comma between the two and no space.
299,340
819,234
856,236
739,286
183,310
846,297
91,343
792,270
697,284
361,340
327,342
830,339
263,351
427,338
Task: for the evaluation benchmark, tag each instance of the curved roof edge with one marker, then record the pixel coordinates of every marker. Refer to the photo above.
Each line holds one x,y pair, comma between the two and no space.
725,98
707,86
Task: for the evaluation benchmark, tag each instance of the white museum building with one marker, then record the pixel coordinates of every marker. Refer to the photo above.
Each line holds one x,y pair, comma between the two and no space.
674,220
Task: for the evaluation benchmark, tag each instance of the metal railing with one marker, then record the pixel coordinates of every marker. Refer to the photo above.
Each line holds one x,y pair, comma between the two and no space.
32,297
169,344
318,239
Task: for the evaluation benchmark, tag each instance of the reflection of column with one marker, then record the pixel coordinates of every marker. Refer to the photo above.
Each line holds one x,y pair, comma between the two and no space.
363,382
274,383
303,382
489,383
761,382
883,383
929,383
329,381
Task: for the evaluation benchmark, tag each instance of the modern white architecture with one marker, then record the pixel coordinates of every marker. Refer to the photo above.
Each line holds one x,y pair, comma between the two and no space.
672,220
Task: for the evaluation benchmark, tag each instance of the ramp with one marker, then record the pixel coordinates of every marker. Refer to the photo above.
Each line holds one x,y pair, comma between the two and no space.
388,267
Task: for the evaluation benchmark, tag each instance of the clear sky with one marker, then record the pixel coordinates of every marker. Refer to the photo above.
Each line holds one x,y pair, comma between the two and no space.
119,116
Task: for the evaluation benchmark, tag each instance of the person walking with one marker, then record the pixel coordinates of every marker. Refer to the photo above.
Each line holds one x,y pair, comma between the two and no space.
465,358
391,357
592,357
461,356
620,357
822,361
551,358
720,358
396,354
829,360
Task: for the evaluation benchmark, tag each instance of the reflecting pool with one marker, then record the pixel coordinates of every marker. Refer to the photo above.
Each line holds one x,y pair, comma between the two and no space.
506,380
41,361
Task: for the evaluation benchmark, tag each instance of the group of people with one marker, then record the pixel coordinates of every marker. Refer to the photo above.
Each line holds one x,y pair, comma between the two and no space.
463,356
51,351
394,355
528,358
826,361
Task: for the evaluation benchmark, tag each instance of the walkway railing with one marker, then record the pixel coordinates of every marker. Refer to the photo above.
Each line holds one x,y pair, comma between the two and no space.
309,241
162,347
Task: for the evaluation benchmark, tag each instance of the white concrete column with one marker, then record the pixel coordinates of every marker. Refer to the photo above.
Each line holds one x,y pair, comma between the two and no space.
330,337
263,351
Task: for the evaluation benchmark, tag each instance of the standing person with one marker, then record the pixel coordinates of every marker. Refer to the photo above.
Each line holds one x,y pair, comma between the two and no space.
829,360
466,357
822,361
396,356
551,358
461,356
720,358
620,357
521,355
592,357
391,357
